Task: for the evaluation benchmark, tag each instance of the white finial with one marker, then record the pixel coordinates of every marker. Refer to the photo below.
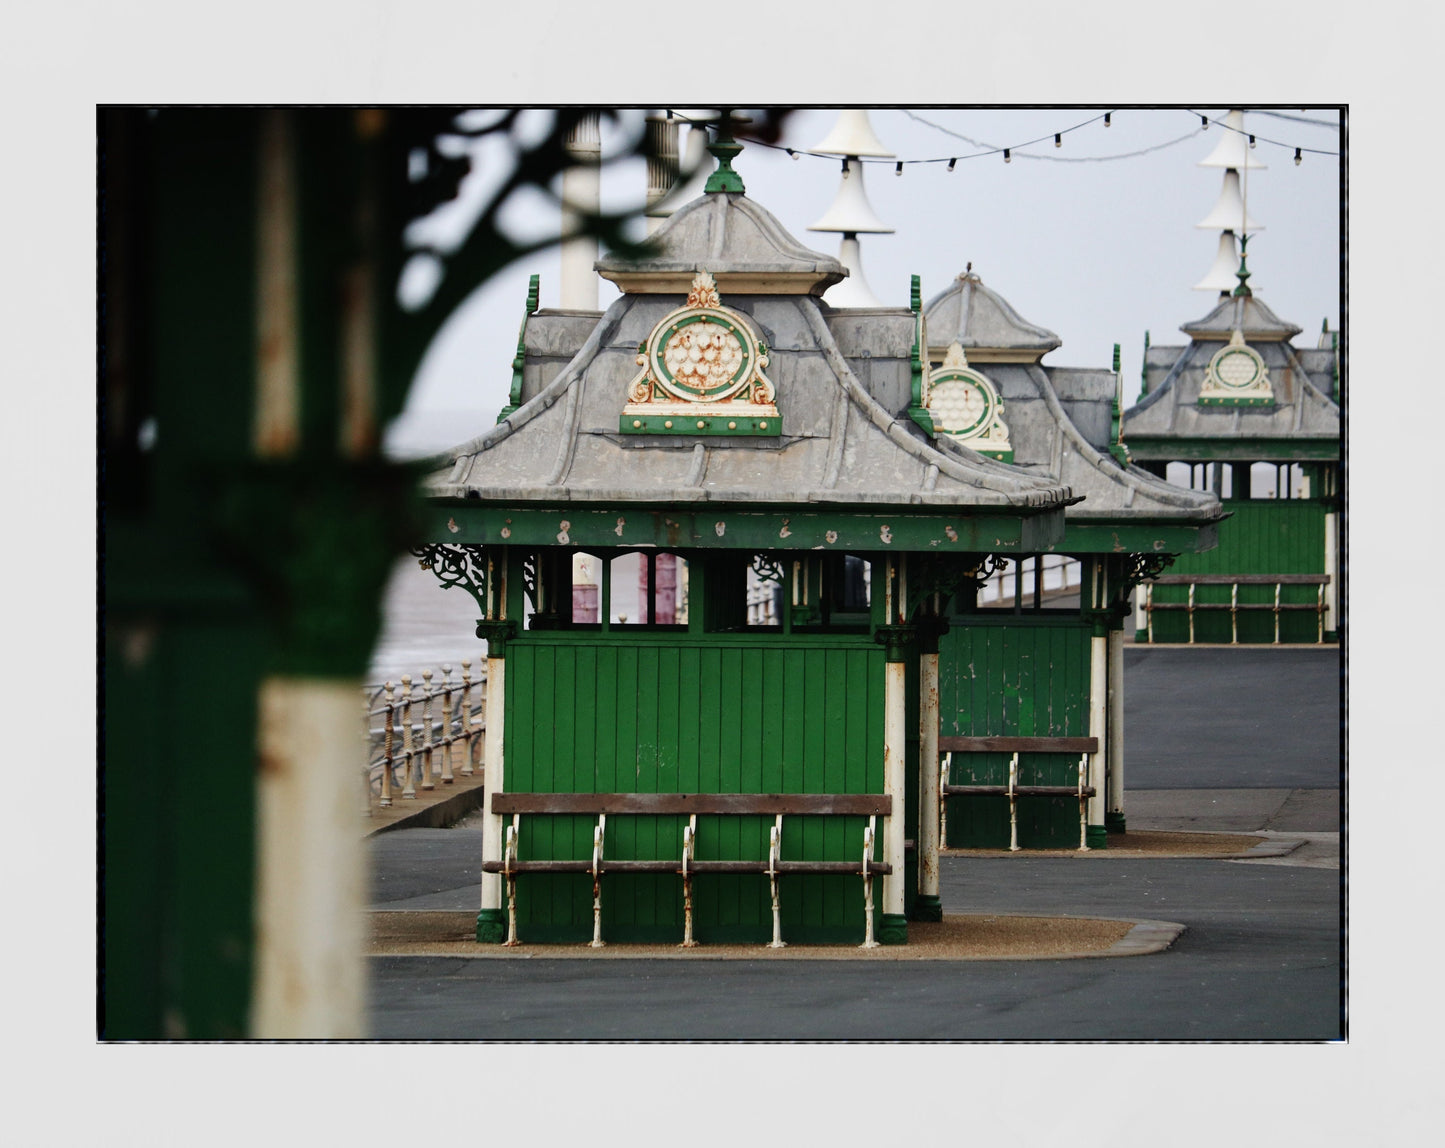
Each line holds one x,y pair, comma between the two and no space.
1232,150
851,214
853,135
1228,213
1223,276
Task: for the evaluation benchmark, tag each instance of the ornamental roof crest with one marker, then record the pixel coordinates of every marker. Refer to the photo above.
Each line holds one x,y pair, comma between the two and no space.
702,373
965,405
1236,376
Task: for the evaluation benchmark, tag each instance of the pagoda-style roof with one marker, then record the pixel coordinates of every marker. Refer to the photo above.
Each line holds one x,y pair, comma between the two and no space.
834,448
1061,426
741,244
1246,313
1300,422
984,324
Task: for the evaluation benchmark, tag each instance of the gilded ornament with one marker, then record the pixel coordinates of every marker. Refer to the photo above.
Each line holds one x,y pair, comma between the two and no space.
701,359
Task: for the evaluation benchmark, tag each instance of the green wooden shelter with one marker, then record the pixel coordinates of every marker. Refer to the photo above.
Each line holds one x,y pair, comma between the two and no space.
687,769
1241,411
1040,669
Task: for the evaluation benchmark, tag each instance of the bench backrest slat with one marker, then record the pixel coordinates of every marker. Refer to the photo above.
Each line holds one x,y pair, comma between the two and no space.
1018,745
1240,579
769,804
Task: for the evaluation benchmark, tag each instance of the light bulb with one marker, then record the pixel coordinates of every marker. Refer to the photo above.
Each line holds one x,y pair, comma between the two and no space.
951,162
899,169
1006,157
1297,157
1058,139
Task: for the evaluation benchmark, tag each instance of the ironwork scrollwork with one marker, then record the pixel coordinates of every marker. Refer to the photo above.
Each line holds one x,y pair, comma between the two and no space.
529,578
457,564
1142,567
767,569
945,576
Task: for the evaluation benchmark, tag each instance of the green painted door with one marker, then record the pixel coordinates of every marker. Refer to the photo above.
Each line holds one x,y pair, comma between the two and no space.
1018,677
669,713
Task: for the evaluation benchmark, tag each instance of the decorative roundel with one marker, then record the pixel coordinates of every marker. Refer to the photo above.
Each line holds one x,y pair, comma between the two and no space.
1237,366
703,356
962,405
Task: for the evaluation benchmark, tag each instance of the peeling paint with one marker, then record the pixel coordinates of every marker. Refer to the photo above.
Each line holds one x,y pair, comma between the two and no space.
721,528
831,536
885,535
621,522
452,525
562,536
785,532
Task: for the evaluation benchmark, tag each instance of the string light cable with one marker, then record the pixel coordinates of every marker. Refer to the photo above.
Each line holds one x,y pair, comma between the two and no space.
988,149
1277,143
991,149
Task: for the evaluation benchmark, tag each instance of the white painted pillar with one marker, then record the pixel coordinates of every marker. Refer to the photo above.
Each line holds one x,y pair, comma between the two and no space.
1116,722
662,168
492,778
1098,718
495,702
1332,527
309,977
580,194
928,776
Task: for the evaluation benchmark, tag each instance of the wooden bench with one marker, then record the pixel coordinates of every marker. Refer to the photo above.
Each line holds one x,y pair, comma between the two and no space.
1234,605
1084,746
690,805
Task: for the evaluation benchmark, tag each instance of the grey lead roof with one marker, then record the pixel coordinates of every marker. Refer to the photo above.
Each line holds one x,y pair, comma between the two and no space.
1302,408
730,236
969,314
839,444
1059,420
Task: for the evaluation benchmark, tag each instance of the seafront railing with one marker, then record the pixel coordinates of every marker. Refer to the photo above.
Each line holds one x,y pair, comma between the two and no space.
423,732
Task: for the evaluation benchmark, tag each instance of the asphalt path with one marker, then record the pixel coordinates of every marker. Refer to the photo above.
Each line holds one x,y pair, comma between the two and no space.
1260,960
1218,718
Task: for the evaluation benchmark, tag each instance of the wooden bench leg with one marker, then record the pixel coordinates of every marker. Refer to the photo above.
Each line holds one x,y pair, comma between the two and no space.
775,845
868,941
689,840
943,773
1013,804
509,857
597,941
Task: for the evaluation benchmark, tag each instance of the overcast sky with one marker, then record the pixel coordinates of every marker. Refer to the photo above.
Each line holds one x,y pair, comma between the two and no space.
1098,250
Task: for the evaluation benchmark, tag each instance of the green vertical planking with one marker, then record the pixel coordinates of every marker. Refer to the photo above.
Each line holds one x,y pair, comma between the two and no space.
1263,536
726,715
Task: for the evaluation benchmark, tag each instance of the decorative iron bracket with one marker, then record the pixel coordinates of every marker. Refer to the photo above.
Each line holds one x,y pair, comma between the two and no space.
1143,567
457,564
945,576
